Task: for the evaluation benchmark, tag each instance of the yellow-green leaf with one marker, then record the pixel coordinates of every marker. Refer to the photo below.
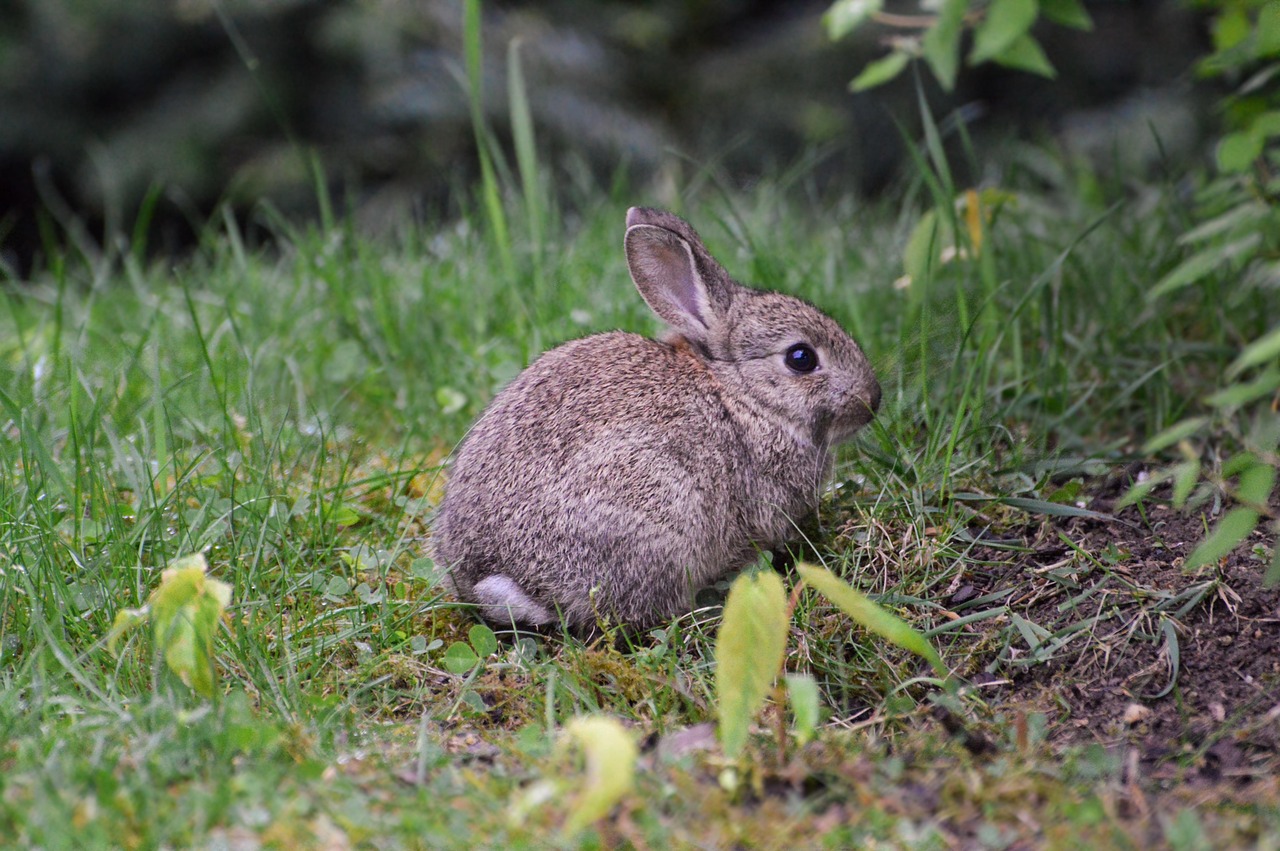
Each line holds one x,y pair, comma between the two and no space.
871,616
125,621
749,651
183,656
180,582
185,611
1230,28
609,752
806,705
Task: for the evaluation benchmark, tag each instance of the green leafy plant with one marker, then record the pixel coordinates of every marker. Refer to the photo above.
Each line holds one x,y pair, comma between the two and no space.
1232,251
463,658
1247,479
751,648
1001,34
1246,52
1230,248
184,612
749,652
468,659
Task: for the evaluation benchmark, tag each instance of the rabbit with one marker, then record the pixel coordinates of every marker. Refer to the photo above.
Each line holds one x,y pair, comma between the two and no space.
618,474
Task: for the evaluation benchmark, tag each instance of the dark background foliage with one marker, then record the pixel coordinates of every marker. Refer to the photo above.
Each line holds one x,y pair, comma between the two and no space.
209,101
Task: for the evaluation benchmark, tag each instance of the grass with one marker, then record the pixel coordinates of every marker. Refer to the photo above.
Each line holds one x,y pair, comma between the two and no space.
288,412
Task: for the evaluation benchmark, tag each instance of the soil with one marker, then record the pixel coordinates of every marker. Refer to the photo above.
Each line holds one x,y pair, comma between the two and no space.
1180,671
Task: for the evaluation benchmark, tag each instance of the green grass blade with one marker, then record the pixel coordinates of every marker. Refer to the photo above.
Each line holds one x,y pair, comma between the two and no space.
1265,348
526,157
1225,537
1272,577
491,192
871,616
1172,653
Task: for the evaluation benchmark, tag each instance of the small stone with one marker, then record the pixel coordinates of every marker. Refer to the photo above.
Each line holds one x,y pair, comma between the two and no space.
1135,713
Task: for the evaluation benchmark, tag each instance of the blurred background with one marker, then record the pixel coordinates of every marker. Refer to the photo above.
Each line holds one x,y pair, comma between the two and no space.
146,115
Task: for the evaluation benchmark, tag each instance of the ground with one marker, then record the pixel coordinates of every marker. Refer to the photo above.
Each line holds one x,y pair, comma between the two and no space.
1211,688
1176,675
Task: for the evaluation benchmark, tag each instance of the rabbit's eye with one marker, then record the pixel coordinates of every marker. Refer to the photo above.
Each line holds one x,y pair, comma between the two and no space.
801,358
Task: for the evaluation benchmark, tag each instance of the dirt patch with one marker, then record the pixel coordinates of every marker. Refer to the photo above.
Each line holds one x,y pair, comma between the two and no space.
1121,646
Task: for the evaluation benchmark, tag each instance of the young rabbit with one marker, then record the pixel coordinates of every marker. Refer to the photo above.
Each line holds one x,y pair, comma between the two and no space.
617,475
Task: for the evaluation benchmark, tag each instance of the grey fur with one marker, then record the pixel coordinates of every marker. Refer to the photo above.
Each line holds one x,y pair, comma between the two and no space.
617,475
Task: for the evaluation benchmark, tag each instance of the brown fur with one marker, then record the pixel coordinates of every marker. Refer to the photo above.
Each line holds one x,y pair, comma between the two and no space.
617,475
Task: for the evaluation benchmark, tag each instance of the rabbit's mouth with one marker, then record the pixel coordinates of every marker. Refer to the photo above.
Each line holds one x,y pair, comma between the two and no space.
864,407
830,429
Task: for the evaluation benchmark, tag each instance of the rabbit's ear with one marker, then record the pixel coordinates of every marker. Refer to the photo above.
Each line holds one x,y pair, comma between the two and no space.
679,280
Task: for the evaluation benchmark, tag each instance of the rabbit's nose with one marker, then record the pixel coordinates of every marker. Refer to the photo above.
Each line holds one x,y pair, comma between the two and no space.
873,398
